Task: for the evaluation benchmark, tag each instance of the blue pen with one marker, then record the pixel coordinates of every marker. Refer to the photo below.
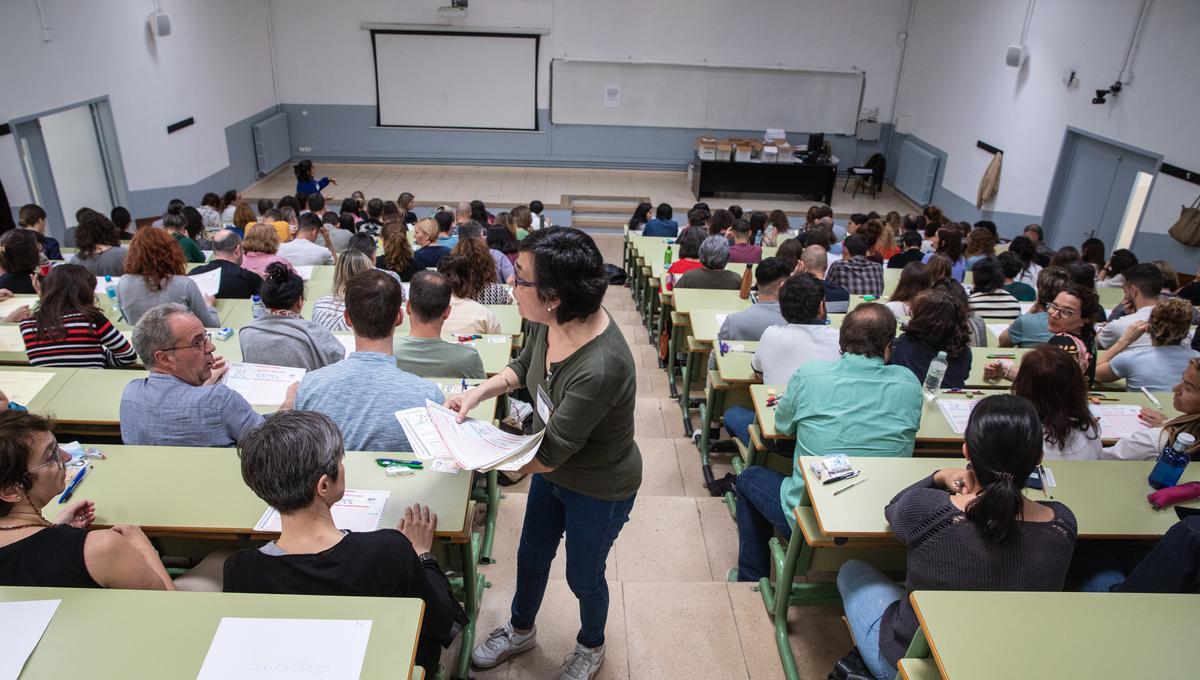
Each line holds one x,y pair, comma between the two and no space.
464,385
66,495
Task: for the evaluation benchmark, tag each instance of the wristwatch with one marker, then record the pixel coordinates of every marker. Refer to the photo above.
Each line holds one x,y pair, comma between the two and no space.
426,558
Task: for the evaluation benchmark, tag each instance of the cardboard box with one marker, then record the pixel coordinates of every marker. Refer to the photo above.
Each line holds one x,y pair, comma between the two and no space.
770,153
785,153
706,147
724,150
743,150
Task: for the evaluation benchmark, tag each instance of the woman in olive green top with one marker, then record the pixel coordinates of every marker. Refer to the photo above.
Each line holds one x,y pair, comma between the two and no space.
579,370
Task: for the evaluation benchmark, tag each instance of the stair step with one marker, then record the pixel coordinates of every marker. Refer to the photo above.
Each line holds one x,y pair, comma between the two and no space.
603,222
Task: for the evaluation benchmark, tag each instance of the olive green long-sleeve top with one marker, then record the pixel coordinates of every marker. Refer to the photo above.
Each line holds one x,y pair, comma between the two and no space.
592,393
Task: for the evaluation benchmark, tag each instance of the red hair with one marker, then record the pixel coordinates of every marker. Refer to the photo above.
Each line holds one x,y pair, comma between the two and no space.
155,255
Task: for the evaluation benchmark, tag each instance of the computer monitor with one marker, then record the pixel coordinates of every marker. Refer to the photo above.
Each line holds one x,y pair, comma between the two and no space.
816,143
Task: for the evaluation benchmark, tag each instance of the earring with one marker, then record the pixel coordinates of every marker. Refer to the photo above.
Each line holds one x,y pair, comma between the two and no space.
549,308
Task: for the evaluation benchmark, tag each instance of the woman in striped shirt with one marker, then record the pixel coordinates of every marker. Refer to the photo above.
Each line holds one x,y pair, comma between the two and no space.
68,330
988,297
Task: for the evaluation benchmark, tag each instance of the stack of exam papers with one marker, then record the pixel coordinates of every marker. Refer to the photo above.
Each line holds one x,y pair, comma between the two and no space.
435,433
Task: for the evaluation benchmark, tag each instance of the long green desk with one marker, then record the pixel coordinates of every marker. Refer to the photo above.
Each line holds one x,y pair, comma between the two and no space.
44,396
1000,635
167,634
236,313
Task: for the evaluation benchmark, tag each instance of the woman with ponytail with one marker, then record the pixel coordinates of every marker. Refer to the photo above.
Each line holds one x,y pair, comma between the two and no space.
966,529
282,337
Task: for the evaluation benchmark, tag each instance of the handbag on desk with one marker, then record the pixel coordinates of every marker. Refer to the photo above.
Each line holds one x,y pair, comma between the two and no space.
1186,229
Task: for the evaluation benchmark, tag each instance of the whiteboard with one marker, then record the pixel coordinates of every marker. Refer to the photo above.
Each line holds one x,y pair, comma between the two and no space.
704,96
457,80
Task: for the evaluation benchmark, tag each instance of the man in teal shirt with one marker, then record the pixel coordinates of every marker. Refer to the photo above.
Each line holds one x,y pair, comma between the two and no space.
857,405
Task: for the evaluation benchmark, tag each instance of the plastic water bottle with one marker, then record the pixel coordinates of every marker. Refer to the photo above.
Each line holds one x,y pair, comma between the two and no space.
1171,462
110,288
668,257
933,378
257,308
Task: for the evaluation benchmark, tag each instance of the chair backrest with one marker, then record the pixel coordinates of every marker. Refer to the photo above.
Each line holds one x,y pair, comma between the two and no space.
876,162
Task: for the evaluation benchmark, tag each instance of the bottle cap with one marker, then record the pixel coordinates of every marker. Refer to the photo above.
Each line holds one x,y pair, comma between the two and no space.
1184,440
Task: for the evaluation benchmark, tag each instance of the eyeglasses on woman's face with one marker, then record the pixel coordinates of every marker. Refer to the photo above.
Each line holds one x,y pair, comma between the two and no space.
1064,312
518,281
54,456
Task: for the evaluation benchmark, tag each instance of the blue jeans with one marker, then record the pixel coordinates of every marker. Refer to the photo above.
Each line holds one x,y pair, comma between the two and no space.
759,515
591,526
866,593
738,420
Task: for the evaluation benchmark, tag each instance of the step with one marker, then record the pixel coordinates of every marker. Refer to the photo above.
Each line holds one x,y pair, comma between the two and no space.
582,222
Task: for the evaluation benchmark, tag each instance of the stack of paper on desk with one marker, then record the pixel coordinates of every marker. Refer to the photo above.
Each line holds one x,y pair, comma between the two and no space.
472,444
262,385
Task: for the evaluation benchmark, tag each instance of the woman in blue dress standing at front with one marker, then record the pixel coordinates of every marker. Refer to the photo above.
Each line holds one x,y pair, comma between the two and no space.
305,183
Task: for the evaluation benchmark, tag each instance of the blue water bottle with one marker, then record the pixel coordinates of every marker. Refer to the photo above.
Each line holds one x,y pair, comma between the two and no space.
1171,462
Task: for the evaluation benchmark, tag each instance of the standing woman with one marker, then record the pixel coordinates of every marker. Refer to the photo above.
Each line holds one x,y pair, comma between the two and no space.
588,469
305,183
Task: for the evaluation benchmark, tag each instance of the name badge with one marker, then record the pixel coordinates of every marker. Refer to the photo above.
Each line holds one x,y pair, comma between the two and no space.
544,407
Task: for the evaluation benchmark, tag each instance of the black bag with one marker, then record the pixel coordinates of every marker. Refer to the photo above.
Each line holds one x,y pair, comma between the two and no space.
616,275
851,667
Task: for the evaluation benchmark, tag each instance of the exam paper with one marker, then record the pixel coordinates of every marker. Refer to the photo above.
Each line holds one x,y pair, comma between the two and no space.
304,270
347,341
262,385
421,434
208,282
997,328
478,445
957,412
23,386
1117,421
333,649
12,304
22,625
357,511
720,320
10,339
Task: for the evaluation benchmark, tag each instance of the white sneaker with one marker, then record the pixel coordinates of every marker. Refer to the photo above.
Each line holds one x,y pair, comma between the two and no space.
583,663
501,644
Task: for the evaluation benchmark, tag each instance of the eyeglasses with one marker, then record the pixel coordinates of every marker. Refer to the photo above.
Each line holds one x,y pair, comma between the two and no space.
56,459
199,344
518,281
1064,312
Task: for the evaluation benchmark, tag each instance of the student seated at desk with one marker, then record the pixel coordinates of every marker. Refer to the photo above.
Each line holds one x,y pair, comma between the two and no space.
947,241
294,462
1172,566
64,554
749,323
1069,319
965,530
304,249
182,402
502,265
1148,443
329,311
813,261
176,224
361,392
282,337
19,261
237,283
261,248
154,275
854,271
1156,367
911,253
1053,382
815,409
98,246
1010,264
988,297
423,352
68,330
662,224
33,218
914,280
467,316
1032,328
397,252
712,274
687,249
939,323
742,250
1143,289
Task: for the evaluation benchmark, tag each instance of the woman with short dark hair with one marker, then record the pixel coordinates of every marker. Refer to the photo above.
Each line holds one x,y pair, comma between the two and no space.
947,241
939,323
966,529
98,246
282,337
587,471
988,297
19,261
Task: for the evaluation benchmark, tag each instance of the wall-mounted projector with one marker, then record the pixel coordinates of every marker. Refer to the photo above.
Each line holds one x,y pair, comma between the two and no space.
455,10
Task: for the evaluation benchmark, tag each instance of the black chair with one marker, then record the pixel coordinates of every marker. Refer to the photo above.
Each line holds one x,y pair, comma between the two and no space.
870,174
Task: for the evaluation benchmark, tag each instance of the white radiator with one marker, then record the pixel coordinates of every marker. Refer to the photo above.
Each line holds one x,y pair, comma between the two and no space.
272,142
916,173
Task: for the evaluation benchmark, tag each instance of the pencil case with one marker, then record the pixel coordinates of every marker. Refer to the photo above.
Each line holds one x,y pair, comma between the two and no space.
1174,494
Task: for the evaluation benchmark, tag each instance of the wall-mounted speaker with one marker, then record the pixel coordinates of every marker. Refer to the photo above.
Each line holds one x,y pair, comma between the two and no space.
160,24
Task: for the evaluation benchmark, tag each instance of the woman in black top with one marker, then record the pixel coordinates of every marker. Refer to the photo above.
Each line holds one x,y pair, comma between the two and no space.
294,463
966,529
938,324
19,258
36,552
641,214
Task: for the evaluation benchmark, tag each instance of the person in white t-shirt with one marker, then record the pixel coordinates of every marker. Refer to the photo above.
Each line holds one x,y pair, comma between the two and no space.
1142,286
1052,380
303,249
1148,443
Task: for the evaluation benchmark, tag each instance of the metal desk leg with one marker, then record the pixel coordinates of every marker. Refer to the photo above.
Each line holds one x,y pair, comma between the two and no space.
784,593
493,510
471,588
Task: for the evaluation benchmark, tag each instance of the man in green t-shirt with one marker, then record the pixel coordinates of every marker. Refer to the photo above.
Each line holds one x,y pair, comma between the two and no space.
423,352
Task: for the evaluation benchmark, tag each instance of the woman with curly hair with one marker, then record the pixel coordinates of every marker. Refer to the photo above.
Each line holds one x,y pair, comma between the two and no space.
1159,366
154,275
1070,324
98,246
397,251
68,329
479,281
1051,379
282,337
466,315
939,323
981,244
260,248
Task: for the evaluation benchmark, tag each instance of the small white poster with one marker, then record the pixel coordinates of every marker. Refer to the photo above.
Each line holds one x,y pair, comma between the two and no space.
612,96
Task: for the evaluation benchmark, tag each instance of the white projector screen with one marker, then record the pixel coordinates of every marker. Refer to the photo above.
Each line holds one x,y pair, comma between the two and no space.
456,80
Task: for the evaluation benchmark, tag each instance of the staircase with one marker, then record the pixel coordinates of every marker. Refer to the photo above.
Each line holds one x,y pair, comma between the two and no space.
606,215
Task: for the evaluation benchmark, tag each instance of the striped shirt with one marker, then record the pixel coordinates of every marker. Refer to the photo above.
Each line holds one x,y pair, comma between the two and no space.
998,304
327,312
85,345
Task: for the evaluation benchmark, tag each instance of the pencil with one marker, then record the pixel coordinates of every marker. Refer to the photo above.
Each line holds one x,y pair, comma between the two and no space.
1151,397
847,488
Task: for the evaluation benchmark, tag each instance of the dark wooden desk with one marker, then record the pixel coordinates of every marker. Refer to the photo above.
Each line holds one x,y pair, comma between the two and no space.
793,179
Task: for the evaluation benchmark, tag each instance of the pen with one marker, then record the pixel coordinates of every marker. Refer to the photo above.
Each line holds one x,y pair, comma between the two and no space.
388,462
66,495
1151,397
847,488
464,384
1001,356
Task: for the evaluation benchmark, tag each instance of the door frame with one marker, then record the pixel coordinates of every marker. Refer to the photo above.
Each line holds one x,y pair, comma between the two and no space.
39,176
1062,172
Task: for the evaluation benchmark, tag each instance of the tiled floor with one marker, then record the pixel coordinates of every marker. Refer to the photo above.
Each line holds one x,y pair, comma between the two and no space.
672,615
507,186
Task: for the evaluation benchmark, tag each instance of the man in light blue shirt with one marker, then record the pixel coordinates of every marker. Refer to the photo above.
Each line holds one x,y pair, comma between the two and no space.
857,406
182,402
363,392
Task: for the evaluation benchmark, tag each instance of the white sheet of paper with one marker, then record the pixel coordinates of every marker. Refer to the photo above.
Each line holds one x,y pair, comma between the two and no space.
720,320
1025,307
260,384
1117,421
23,386
357,511
207,254
997,328
957,412
208,282
332,649
10,339
10,305
476,444
305,271
497,339
22,625
347,341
